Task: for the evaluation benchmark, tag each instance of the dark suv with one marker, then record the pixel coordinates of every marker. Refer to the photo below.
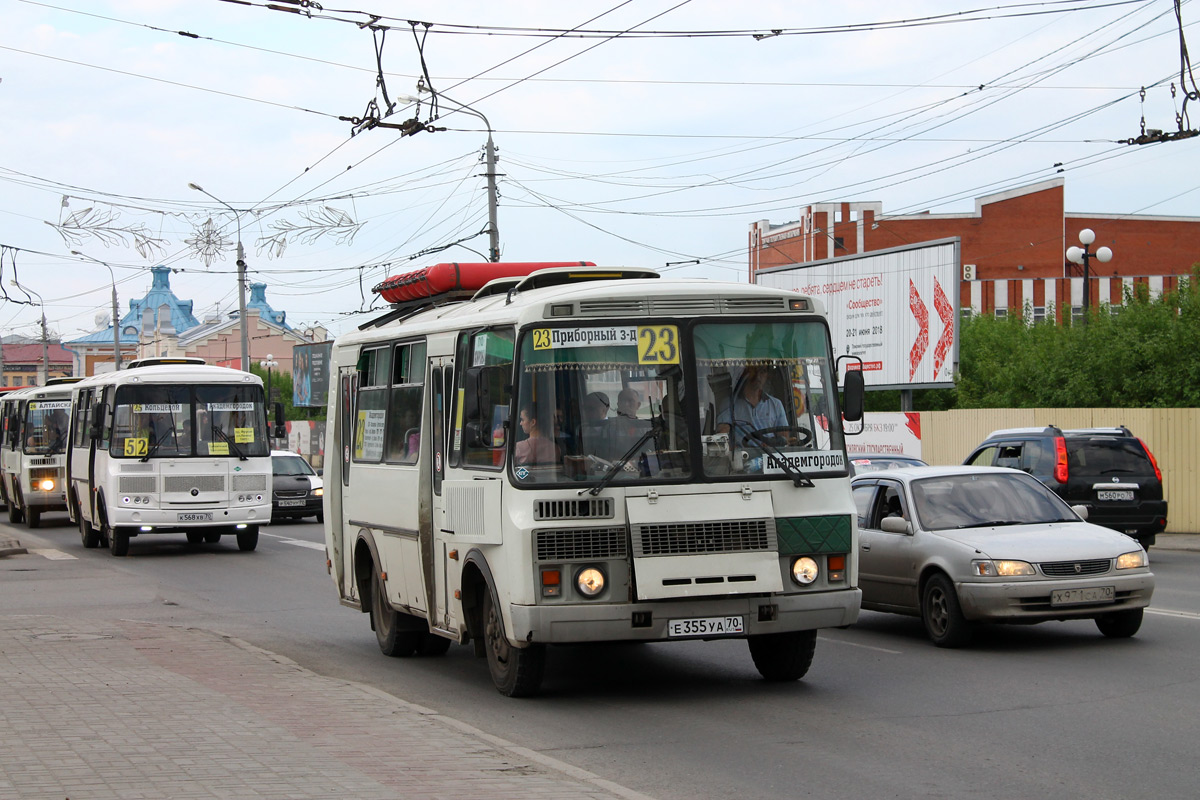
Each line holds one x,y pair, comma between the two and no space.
1108,470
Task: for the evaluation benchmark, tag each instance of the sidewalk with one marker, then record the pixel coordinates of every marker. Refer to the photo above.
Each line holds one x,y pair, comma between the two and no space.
127,709
10,545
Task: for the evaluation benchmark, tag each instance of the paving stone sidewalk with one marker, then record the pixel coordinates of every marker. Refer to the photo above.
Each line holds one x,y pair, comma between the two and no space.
125,709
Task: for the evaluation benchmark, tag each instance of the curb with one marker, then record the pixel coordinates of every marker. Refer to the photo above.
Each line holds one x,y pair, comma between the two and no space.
10,547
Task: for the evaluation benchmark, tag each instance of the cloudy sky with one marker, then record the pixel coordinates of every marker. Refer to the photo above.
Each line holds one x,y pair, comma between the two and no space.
644,133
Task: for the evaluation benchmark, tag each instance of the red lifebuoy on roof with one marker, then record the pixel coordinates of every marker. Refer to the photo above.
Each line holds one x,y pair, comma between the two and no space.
456,276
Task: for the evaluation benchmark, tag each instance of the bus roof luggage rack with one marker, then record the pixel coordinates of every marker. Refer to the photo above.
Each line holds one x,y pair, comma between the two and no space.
163,360
559,277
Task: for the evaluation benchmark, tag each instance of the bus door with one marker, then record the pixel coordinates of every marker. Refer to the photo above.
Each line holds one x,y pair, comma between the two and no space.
447,555
343,442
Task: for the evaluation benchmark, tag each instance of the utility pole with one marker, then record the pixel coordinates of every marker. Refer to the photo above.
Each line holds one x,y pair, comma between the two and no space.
45,351
493,228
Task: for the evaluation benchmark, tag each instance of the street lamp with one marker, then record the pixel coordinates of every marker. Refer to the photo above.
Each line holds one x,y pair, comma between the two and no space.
1081,255
45,340
494,229
241,265
268,364
116,310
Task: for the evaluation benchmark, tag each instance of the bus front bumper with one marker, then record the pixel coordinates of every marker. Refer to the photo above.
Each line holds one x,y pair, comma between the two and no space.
181,519
561,624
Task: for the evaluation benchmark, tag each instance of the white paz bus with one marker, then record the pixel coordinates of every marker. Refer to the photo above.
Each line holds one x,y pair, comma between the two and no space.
33,453
169,445
577,455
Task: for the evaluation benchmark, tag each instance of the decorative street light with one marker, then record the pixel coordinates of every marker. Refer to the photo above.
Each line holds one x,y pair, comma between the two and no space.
45,340
1081,255
268,364
116,310
241,265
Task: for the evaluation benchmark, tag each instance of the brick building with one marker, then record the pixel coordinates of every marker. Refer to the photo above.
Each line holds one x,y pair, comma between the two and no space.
1013,247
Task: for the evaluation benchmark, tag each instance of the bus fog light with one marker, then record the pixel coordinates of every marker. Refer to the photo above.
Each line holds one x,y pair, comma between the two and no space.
125,500
836,568
804,570
590,581
146,528
47,485
551,583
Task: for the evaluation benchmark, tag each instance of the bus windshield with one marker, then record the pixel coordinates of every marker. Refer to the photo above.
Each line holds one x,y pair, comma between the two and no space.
600,404
46,423
203,420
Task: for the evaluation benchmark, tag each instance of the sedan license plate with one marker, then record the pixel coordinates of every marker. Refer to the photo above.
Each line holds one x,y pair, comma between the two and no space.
290,503
195,516
705,626
1114,494
1074,597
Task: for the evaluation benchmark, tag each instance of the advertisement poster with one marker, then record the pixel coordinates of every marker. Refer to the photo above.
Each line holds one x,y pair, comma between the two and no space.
310,374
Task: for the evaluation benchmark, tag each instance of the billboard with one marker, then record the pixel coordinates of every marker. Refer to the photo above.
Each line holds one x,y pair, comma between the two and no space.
895,309
310,374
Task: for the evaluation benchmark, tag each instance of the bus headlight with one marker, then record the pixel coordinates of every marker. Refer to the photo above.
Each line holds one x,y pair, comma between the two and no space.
46,485
590,581
804,570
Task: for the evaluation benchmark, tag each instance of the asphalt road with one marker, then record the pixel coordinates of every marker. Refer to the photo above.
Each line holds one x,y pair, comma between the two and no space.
1053,710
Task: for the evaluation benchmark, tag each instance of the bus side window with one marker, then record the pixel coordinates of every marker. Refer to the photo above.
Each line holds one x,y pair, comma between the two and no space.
484,386
404,405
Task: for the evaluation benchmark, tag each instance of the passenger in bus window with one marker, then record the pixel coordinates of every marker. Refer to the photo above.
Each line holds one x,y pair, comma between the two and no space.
537,448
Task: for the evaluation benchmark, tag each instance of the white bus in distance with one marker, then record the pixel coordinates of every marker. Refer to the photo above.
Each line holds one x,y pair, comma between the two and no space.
33,453
591,455
170,445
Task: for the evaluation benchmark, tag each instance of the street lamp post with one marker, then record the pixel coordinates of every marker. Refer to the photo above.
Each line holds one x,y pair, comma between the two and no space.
1081,255
268,364
489,160
241,265
45,339
116,310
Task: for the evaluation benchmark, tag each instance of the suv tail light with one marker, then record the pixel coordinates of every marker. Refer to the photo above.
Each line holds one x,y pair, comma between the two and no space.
1153,461
1060,459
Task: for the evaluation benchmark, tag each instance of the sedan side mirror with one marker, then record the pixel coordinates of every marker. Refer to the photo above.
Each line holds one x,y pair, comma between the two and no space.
1082,511
895,525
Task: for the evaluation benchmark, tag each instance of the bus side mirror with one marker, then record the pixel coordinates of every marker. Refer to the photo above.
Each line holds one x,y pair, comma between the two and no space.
853,388
471,394
96,429
280,429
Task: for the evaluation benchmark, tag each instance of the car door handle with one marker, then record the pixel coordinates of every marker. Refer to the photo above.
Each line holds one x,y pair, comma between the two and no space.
866,547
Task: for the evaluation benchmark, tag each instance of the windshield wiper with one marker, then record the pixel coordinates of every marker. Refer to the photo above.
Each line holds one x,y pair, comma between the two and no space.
995,523
655,428
152,449
798,478
226,437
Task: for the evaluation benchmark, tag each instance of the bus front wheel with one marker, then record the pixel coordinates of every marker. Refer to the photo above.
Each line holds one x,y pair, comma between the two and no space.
90,536
516,671
247,538
15,515
783,656
33,517
118,542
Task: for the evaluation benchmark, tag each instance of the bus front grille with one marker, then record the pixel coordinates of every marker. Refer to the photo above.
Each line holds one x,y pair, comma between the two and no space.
250,483
576,544
720,536
572,508
185,483
136,484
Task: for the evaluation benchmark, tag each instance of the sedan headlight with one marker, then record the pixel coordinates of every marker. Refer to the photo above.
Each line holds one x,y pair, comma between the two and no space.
1131,560
318,492
988,568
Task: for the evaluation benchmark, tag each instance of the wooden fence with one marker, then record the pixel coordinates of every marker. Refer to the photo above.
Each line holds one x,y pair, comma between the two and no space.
1172,434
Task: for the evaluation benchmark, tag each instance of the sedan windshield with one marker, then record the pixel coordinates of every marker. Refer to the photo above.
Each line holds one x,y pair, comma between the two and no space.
976,500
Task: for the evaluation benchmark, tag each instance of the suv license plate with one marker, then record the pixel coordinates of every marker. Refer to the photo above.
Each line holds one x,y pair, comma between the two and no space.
705,626
1074,597
290,503
1114,494
194,516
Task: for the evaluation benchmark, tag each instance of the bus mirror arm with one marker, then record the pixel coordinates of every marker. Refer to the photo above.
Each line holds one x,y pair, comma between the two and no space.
280,430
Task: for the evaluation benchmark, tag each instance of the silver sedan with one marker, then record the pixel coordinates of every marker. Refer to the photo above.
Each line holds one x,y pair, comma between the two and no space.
958,545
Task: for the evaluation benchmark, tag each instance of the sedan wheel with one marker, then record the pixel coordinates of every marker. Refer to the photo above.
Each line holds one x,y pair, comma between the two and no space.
942,615
1120,625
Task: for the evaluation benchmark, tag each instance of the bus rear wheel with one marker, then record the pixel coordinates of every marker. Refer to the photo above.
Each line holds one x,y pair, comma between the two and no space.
783,656
516,671
195,537
90,537
212,538
393,640
15,515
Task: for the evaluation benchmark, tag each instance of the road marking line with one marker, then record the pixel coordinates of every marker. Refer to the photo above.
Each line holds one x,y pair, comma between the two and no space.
53,555
298,542
1169,613
863,646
